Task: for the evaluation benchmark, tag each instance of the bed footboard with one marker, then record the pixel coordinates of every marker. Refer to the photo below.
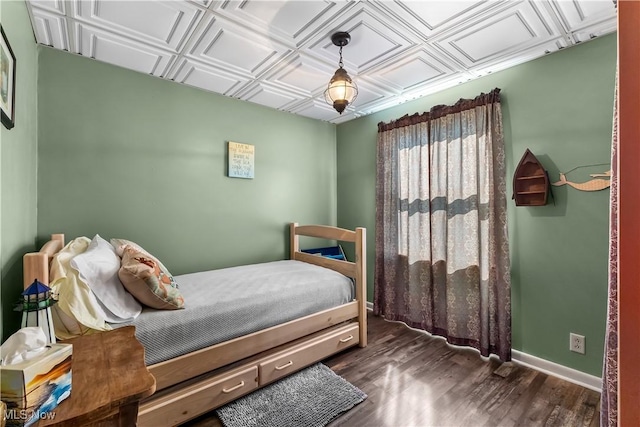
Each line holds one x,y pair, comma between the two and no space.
356,270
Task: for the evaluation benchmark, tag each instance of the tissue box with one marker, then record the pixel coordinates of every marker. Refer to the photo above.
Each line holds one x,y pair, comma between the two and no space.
33,388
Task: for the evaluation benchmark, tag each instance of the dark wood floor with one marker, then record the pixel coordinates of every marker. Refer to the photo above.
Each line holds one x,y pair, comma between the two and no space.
413,379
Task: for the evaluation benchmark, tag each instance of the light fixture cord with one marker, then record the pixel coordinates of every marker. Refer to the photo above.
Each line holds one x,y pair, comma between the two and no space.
340,63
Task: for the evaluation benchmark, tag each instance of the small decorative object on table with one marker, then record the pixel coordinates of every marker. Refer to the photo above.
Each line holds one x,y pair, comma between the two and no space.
36,309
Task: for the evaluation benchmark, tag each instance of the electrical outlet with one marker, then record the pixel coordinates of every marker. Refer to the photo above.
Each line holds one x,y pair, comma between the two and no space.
576,343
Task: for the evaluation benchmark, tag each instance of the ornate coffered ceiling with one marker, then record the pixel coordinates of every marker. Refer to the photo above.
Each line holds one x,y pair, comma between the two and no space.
279,53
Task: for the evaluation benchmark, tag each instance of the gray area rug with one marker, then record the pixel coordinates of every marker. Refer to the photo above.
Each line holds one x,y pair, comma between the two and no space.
311,397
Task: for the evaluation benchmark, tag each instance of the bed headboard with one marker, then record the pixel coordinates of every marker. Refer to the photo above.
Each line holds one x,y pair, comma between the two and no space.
36,264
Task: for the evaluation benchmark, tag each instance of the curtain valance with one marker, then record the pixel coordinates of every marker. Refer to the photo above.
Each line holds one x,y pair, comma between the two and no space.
441,110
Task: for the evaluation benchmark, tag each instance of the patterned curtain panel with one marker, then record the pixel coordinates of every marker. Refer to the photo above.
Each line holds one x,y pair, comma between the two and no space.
442,255
609,396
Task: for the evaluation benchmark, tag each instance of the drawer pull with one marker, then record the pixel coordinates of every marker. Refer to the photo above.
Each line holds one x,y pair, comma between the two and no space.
347,339
286,365
229,390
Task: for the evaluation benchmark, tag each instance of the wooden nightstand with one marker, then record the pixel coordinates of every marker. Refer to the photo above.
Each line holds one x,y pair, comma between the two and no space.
109,378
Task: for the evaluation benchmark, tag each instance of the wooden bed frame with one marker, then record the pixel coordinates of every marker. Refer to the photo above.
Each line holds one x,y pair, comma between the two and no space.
197,382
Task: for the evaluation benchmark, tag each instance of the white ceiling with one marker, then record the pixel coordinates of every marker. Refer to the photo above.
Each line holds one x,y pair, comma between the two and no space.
279,53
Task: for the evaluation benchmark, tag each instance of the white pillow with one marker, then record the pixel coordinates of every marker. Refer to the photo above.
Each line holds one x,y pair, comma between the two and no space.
98,267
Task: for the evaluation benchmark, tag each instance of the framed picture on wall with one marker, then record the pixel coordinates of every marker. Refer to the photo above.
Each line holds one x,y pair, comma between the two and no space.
7,82
241,160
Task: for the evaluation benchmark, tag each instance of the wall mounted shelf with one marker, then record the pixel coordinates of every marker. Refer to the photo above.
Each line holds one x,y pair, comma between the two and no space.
530,182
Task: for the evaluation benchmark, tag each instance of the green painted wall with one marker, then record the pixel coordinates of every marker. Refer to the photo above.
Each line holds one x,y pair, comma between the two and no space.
126,155
123,154
560,107
18,160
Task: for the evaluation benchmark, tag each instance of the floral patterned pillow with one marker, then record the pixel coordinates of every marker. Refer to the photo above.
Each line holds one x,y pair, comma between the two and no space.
120,244
148,281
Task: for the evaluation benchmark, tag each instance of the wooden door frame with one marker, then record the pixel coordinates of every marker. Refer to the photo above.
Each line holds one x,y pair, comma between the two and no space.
629,212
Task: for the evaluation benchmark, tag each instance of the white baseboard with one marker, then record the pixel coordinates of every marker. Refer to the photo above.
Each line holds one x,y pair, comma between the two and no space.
369,306
551,368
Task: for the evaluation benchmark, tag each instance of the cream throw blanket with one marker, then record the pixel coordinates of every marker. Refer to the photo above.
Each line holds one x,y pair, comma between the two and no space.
77,311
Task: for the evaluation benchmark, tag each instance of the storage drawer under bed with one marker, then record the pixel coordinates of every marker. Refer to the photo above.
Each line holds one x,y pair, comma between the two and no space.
171,408
212,393
298,357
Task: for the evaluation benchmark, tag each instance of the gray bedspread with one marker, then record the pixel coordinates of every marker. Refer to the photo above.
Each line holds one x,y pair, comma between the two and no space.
231,302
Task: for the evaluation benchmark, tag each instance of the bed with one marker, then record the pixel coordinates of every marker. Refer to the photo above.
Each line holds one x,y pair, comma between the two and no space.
193,379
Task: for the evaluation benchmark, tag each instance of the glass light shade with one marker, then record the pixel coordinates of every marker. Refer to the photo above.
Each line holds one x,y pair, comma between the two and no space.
341,91
43,319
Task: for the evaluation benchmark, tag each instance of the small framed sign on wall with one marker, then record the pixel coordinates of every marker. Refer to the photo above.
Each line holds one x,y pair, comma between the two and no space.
7,81
241,160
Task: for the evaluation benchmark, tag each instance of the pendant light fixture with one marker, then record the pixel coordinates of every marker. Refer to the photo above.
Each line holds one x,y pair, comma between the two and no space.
341,91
